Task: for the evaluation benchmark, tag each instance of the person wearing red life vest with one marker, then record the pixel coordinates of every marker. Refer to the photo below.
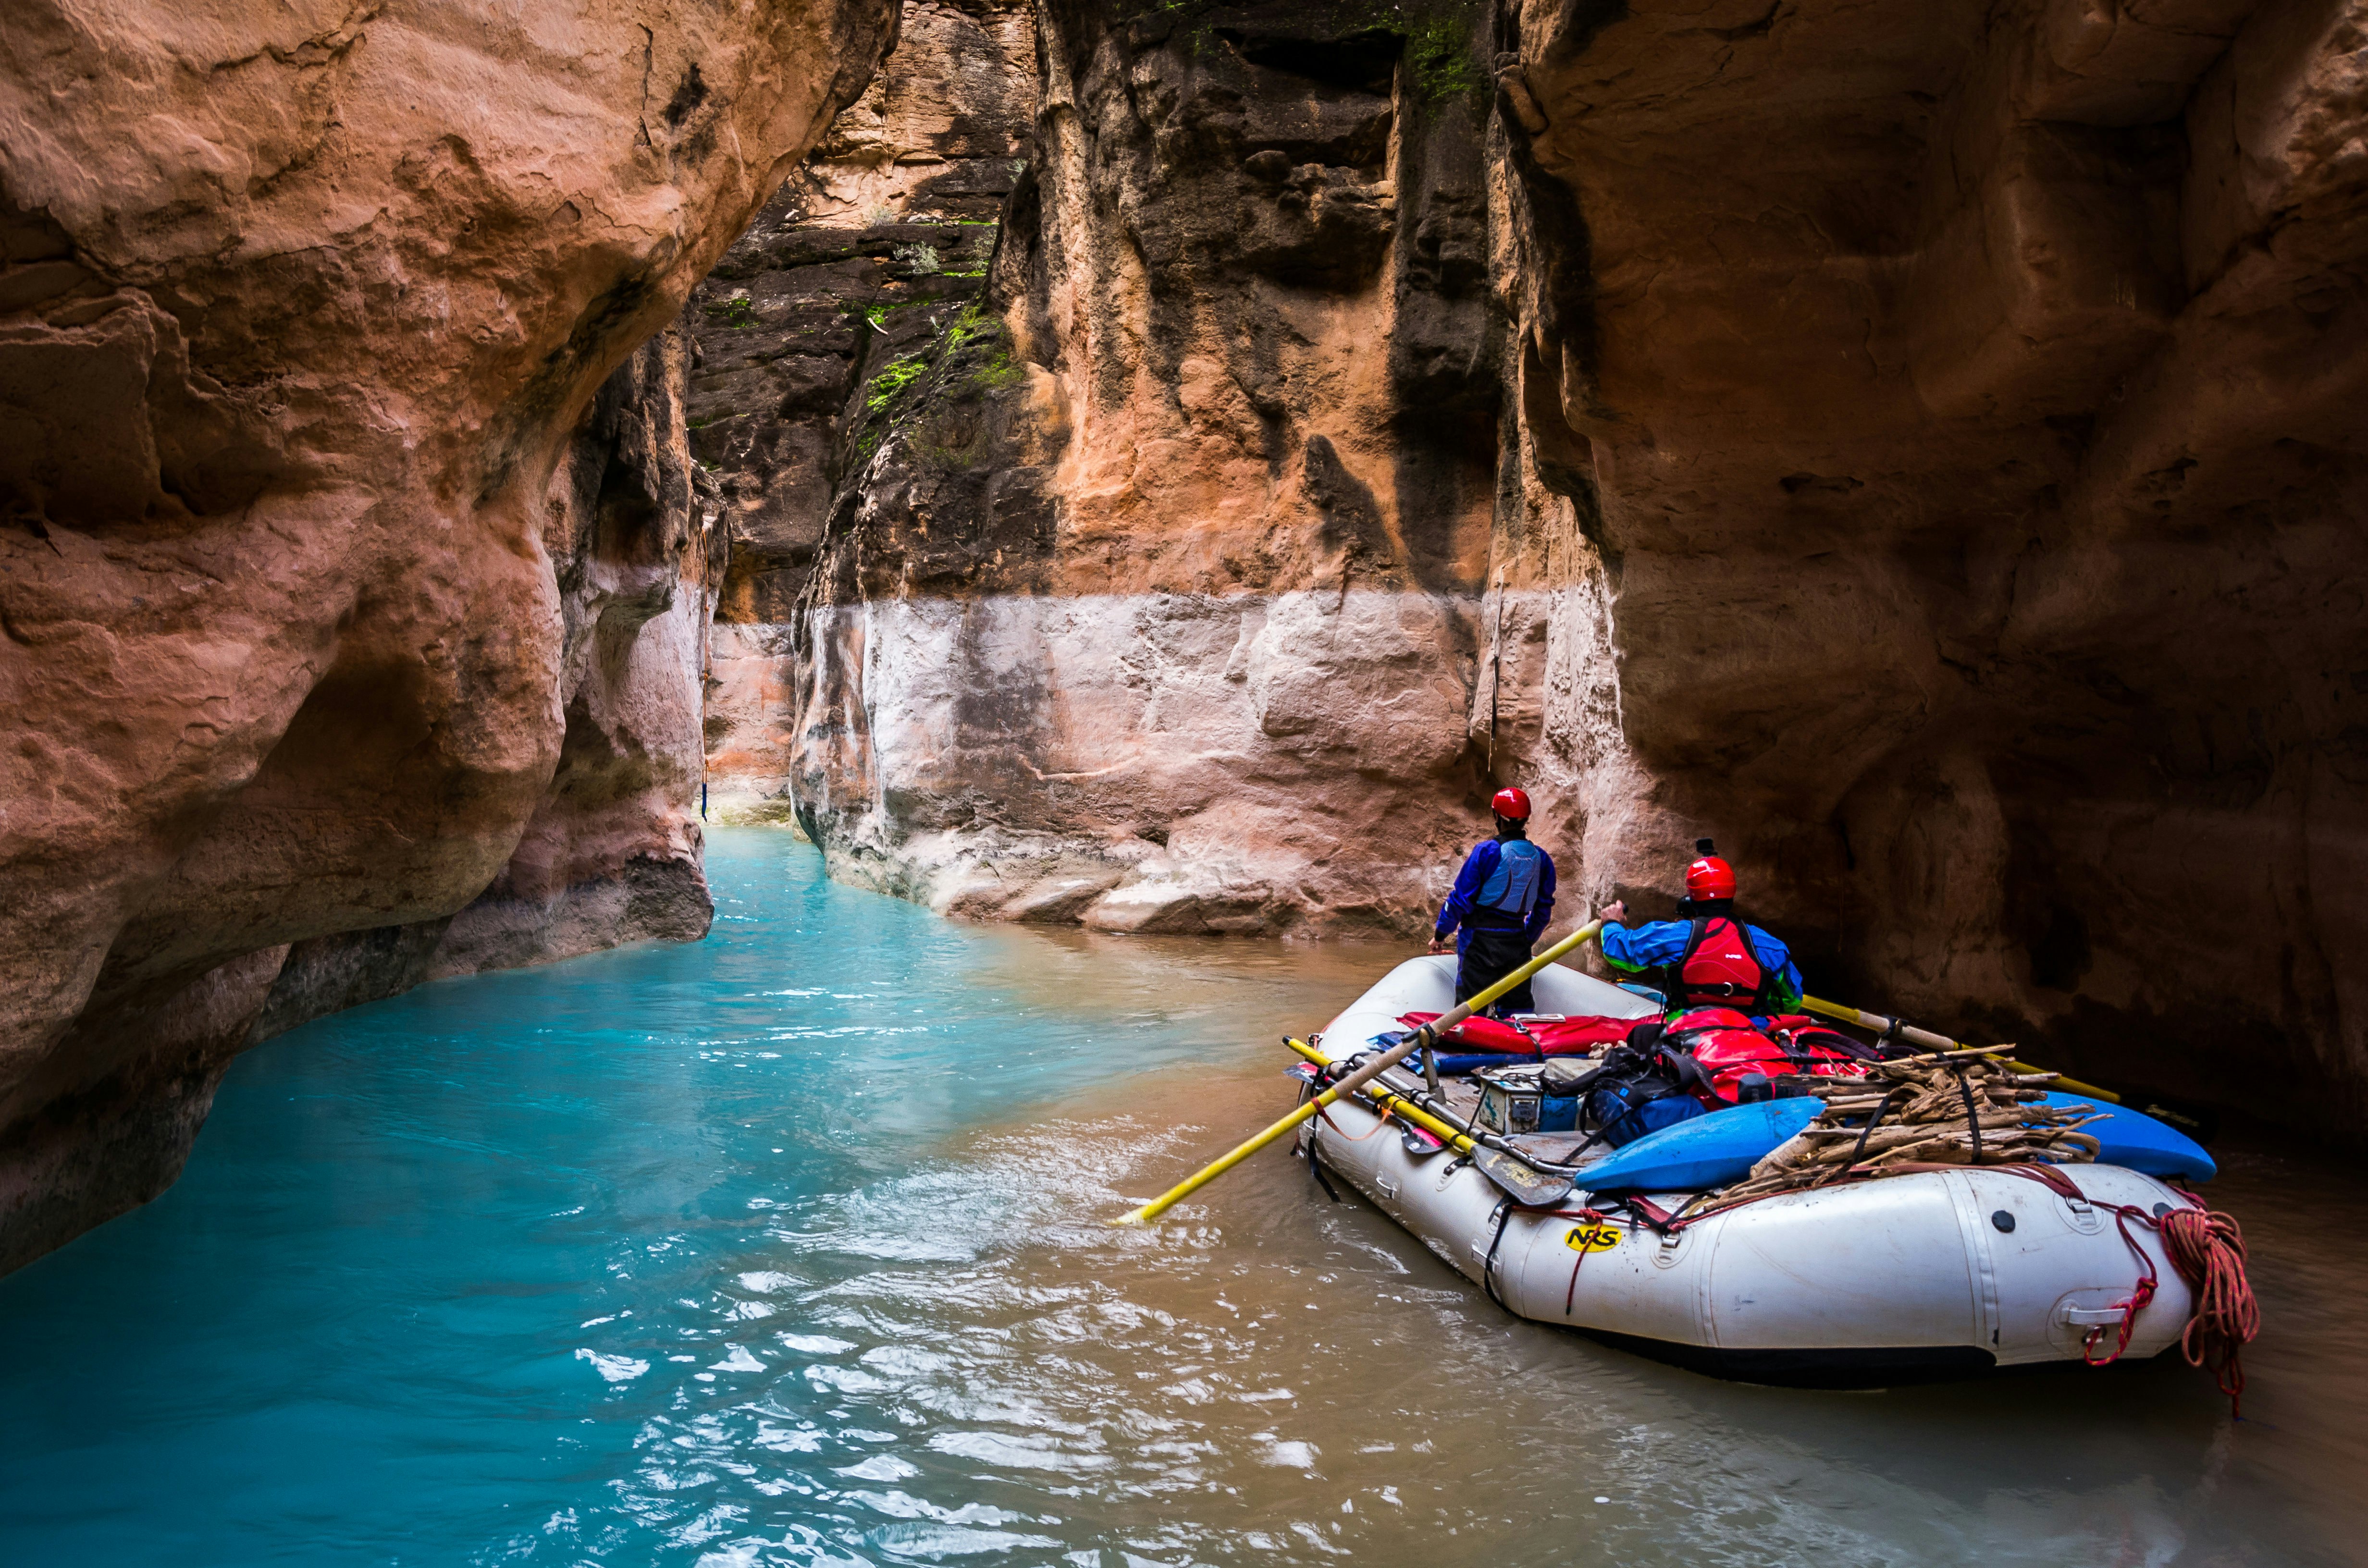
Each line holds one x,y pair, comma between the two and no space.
1499,907
1705,958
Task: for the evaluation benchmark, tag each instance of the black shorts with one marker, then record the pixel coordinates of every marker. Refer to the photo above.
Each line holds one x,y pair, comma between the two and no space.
1488,958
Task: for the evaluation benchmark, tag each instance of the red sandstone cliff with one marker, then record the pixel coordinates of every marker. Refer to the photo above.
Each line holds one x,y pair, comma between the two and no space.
1921,447
1967,406
314,623
1161,468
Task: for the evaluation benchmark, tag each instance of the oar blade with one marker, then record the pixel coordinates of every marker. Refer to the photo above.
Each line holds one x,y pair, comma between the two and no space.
1530,1188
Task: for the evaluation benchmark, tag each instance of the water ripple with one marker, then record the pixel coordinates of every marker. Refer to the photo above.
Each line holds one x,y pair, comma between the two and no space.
737,1255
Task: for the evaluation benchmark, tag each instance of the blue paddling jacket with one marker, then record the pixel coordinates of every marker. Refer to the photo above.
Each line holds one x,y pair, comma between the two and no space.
1506,885
1657,947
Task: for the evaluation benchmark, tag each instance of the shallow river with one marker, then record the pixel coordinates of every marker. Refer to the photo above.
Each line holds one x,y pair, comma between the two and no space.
786,1247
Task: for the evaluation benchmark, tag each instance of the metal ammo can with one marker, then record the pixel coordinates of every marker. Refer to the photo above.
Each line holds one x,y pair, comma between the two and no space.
1513,1101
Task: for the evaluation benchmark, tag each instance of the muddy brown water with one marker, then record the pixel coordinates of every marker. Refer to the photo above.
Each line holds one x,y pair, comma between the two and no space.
791,1247
1406,1418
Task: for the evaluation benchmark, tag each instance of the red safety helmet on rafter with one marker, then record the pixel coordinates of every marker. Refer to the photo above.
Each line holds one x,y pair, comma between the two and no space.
1709,877
1513,805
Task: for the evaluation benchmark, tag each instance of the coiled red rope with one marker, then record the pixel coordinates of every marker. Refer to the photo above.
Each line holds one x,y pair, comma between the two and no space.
2208,1250
2207,1246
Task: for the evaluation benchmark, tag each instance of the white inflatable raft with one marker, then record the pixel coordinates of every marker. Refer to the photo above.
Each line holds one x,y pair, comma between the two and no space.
1907,1278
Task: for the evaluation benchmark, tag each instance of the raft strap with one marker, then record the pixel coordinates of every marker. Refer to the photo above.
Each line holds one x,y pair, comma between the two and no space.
1315,1169
1587,1217
1488,1264
1865,1133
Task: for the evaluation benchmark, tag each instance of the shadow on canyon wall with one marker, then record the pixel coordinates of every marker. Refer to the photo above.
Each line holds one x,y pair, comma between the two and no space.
1918,449
1158,467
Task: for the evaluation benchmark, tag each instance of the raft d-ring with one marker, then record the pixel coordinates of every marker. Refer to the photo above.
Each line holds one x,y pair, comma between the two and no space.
1666,1254
2081,1215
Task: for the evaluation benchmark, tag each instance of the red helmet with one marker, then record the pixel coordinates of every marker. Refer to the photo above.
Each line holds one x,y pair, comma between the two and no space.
1709,877
1512,804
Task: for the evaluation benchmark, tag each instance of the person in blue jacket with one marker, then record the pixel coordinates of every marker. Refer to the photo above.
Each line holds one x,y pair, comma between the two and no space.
1706,956
1498,907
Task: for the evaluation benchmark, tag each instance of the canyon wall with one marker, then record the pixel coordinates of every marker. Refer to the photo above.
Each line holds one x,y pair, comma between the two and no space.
353,629
862,260
612,852
1161,468
1151,591
1967,403
1919,447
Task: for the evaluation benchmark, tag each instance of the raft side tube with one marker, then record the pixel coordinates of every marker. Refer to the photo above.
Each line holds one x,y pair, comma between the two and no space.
1871,1367
1906,1279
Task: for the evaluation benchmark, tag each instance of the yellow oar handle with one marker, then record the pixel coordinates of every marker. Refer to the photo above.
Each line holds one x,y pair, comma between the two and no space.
1242,1151
1461,1142
1354,1080
1931,1041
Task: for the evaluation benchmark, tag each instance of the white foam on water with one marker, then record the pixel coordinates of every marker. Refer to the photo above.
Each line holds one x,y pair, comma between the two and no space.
615,1368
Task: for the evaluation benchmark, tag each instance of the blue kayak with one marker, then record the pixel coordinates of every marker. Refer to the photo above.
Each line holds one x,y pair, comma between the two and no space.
1709,1151
1720,1148
2137,1141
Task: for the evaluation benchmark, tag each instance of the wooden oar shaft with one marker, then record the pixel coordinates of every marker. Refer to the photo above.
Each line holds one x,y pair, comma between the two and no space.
1931,1041
1354,1080
1881,1025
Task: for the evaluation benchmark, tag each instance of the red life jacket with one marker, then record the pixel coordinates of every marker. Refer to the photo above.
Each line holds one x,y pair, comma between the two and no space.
1722,1043
1718,969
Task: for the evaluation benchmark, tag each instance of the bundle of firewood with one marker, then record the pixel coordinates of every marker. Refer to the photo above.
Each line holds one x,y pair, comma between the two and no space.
1949,1109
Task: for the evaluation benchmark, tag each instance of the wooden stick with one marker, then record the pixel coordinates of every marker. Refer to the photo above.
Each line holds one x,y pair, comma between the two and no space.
1940,1043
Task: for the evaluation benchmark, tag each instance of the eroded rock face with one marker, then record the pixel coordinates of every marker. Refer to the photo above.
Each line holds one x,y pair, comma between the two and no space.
611,853
1919,447
857,265
1154,599
302,315
1968,406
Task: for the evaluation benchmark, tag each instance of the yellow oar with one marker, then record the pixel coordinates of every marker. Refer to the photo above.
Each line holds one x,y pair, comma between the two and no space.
1931,1041
1406,1109
1428,1034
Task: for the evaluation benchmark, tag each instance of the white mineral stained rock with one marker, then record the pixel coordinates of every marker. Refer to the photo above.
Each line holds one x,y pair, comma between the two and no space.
1919,447
1169,762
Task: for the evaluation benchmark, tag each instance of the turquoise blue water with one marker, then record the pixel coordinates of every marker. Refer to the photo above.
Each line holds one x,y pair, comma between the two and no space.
785,1247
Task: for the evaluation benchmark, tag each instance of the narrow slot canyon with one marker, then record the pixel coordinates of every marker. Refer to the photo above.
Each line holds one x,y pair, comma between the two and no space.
1158,470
